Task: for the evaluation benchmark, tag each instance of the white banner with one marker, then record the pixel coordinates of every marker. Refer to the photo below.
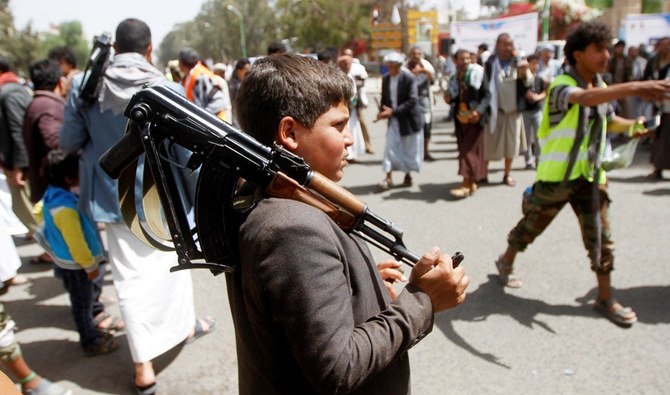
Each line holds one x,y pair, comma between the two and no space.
522,28
645,28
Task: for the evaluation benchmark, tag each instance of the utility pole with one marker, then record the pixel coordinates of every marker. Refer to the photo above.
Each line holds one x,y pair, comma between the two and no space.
545,20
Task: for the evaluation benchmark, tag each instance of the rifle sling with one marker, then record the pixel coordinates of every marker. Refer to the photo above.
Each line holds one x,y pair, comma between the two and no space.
151,204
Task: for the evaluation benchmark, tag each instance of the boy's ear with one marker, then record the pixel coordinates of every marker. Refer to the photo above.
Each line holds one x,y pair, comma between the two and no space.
286,133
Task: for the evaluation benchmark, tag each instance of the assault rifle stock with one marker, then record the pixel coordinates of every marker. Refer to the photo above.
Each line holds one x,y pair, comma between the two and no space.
224,155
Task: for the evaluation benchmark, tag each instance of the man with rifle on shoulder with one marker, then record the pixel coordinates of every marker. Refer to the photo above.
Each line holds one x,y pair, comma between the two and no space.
311,310
157,306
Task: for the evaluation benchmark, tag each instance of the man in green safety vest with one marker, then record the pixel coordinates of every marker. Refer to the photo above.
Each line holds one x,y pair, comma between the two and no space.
576,116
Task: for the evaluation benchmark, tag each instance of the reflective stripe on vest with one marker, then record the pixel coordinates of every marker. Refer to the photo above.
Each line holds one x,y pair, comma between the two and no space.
556,142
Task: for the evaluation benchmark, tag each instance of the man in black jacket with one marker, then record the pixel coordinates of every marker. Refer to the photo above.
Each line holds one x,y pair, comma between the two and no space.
14,99
400,105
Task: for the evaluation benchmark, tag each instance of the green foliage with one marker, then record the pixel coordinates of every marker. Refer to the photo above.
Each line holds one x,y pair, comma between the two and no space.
70,34
215,31
313,24
22,46
19,46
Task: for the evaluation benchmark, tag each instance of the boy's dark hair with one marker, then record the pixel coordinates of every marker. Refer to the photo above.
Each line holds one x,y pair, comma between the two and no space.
532,57
583,36
64,54
5,66
189,57
58,165
45,74
132,35
620,43
241,63
276,48
288,85
483,47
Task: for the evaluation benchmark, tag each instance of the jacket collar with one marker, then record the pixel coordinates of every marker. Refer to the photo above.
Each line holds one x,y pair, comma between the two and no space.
50,95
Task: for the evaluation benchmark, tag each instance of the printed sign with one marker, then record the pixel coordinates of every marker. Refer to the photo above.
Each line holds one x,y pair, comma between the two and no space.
522,28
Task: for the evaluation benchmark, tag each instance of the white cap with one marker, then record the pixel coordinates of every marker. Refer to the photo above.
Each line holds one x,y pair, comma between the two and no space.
394,57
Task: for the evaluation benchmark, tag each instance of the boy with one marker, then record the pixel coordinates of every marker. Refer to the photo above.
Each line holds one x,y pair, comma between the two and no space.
556,184
311,313
75,247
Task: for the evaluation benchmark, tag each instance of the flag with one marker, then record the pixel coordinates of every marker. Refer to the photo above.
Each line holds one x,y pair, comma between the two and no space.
395,15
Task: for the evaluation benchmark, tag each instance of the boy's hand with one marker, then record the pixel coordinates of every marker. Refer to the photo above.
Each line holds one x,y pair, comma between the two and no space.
435,276
390,272
93,275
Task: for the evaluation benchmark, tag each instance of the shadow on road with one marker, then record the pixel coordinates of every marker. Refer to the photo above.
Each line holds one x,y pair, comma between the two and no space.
652,305
110,367
631,180
657,192
429,193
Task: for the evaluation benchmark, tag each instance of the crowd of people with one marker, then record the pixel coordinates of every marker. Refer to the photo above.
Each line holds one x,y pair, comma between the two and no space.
290,333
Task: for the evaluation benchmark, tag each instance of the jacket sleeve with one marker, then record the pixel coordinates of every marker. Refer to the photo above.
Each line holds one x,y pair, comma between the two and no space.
69,224
15,105
409,83
74,132
485,96
300,271
49,125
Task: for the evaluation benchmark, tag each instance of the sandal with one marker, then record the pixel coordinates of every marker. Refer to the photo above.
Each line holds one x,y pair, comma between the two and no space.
17,280
506,276
385,184
43,258
104,345
617,316
115,324
150,389
199,330
461,192
508,180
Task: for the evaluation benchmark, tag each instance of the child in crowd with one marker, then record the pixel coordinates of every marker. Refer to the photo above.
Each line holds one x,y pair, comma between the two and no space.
72,241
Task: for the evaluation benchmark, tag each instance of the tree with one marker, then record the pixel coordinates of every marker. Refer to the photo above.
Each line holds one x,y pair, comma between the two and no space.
316,24
23,46
215,33
70,34
321,24
19,46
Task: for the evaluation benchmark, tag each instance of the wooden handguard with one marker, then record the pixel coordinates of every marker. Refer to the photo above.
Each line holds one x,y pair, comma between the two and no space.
285,187
336,194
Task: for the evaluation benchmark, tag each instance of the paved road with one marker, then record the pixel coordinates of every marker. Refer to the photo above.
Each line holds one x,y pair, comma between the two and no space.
542,338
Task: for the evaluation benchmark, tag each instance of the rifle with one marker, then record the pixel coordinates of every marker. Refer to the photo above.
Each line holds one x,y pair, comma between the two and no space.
95,68
224,155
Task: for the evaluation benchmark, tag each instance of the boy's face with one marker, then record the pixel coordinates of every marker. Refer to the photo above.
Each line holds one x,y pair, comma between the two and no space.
534,65
324,145
594,57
